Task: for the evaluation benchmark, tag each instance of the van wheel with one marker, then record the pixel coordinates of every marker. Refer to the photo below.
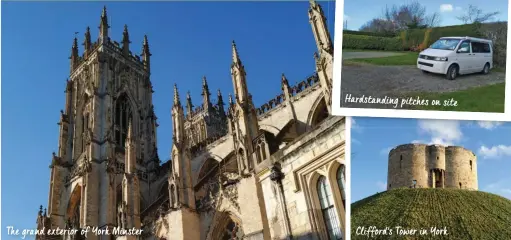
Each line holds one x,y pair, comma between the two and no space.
452,72
425,72
486,69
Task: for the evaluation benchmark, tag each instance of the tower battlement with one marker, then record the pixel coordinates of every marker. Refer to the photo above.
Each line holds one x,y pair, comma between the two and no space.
121,51
432,166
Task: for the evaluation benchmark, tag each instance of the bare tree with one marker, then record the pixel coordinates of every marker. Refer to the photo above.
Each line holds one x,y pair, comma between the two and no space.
497,32
378,25
433,20
476,15
407,16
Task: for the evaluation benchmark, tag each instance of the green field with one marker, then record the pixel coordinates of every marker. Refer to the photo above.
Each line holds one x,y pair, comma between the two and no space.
465,214
492,99
407,58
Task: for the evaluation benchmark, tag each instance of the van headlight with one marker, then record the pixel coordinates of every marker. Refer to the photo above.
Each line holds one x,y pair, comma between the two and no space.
441,59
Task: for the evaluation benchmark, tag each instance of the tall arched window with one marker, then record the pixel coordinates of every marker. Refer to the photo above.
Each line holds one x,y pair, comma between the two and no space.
320,113
258,154
122,118
341,182
330,218
172,195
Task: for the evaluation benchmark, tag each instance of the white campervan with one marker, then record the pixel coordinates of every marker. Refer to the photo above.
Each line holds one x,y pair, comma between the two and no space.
453,56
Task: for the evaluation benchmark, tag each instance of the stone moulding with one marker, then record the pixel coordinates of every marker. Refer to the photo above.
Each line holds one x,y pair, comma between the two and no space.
300,173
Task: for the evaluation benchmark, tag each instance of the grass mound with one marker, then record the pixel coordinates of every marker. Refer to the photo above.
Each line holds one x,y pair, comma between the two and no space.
464,214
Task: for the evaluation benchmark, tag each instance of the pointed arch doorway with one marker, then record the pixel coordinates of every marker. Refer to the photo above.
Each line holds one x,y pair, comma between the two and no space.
228,227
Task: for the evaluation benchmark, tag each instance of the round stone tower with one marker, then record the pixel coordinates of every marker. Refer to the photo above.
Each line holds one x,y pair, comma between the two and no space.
432,166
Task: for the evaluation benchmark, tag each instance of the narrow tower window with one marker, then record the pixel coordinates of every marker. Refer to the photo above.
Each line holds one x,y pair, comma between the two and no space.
341,182
470,165
330,218
122,116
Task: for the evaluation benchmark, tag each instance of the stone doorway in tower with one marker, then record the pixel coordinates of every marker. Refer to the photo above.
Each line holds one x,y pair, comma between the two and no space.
437,178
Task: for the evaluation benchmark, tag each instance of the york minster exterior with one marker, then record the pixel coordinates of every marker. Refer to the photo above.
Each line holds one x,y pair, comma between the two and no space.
237,171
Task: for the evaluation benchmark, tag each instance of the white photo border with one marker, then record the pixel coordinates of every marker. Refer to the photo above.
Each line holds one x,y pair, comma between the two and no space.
403,113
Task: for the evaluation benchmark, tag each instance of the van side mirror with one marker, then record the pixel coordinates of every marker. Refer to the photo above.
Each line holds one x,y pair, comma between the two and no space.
465,49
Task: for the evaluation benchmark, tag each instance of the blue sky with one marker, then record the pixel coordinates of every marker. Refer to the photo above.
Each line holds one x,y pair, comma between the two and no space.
372,139
187,40
358,12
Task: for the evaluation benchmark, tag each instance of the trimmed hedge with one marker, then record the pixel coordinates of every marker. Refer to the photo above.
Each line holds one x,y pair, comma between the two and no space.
375,34
416,37
353,41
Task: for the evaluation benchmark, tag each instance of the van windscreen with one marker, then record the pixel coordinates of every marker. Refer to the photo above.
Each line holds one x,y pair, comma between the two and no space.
445,44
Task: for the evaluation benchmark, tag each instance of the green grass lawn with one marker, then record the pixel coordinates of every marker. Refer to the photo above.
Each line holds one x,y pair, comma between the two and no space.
406,58
481,99
465,214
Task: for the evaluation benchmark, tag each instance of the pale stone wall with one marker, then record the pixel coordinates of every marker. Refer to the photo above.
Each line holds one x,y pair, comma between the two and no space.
300,108
459,170
411,162
312,155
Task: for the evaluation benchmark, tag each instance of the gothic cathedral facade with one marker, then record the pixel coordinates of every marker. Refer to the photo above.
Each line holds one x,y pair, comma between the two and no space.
236,172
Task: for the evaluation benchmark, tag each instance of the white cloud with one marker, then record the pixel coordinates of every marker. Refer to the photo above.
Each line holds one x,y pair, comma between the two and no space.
495,151
355,141
382,186
489,125
446,8
354,125
445,132
385,151
458,8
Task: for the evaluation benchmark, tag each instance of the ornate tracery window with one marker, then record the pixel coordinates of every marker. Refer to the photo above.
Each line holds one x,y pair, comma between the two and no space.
330,218
341,182
123,114
232,232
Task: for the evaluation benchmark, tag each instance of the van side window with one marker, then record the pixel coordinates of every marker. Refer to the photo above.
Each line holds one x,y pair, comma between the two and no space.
464,47
476,47
481,47
486,48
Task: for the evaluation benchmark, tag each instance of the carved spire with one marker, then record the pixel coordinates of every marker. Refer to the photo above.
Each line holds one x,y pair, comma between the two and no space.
177,102
239,77
313,3
125,41
319,28
220,103
285,86
87,42
205,88
205,93
230,99
103,27
177,118
74,54
284,80
189,105
235,56
40,210
146,54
